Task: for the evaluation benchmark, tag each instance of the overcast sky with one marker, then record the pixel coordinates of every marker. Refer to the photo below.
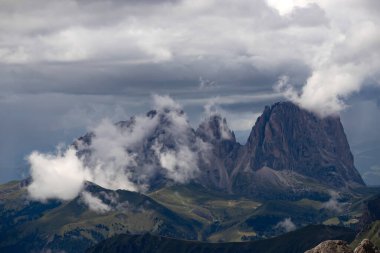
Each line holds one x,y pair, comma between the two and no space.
65,65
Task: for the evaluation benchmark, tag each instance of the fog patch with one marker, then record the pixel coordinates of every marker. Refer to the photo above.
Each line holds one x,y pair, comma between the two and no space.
94,203
59,175
127,155
286,225
333,204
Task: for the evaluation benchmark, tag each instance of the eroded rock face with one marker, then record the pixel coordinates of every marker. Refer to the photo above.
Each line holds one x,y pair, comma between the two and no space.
331,246
286,137
219,162
289,152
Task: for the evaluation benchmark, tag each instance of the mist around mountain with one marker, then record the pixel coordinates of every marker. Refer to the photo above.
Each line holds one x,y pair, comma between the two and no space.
289,150
156,174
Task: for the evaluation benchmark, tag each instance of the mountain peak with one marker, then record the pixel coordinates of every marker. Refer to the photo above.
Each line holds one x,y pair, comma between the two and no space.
287,149
288,137
215,128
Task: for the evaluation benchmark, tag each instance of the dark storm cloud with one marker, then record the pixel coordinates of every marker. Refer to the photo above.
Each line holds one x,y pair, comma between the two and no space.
127,2
66,64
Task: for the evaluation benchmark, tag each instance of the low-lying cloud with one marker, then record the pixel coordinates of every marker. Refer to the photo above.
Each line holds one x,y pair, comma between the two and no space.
286,225
56,176
333,203
94,203
128,155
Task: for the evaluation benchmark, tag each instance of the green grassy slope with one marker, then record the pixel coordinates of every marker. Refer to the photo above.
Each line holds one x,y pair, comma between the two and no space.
215,211
179,211
236,219
72,226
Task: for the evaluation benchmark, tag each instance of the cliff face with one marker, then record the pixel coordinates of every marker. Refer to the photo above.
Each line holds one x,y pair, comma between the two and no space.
219,162
285,137
288,149
290,152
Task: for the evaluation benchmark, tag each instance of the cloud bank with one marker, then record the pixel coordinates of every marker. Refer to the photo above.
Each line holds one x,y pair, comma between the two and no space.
346,61
93,54
128,155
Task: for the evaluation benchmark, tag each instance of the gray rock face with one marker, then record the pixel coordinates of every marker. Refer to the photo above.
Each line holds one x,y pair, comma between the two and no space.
215,129
219,163
286,137
289,149
289,152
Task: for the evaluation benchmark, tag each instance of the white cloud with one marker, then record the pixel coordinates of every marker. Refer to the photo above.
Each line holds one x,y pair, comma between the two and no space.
348,56
94,203
242,121
56,176
121,157
287,225
180,165
232,31
165,102
333,204
338,40
287,6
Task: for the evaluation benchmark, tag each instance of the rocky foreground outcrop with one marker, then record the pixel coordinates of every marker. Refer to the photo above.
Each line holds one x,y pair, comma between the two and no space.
338,246
331,246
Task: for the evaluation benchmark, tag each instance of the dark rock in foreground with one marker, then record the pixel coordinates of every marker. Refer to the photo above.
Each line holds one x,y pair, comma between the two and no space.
331,246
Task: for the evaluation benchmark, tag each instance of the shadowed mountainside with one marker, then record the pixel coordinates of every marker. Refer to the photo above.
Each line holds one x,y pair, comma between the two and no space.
293,242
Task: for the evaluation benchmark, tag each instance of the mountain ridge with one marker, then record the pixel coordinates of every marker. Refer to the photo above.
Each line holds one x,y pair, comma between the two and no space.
288,150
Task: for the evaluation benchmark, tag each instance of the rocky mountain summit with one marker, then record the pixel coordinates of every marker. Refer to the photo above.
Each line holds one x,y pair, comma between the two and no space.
290,151
285,137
